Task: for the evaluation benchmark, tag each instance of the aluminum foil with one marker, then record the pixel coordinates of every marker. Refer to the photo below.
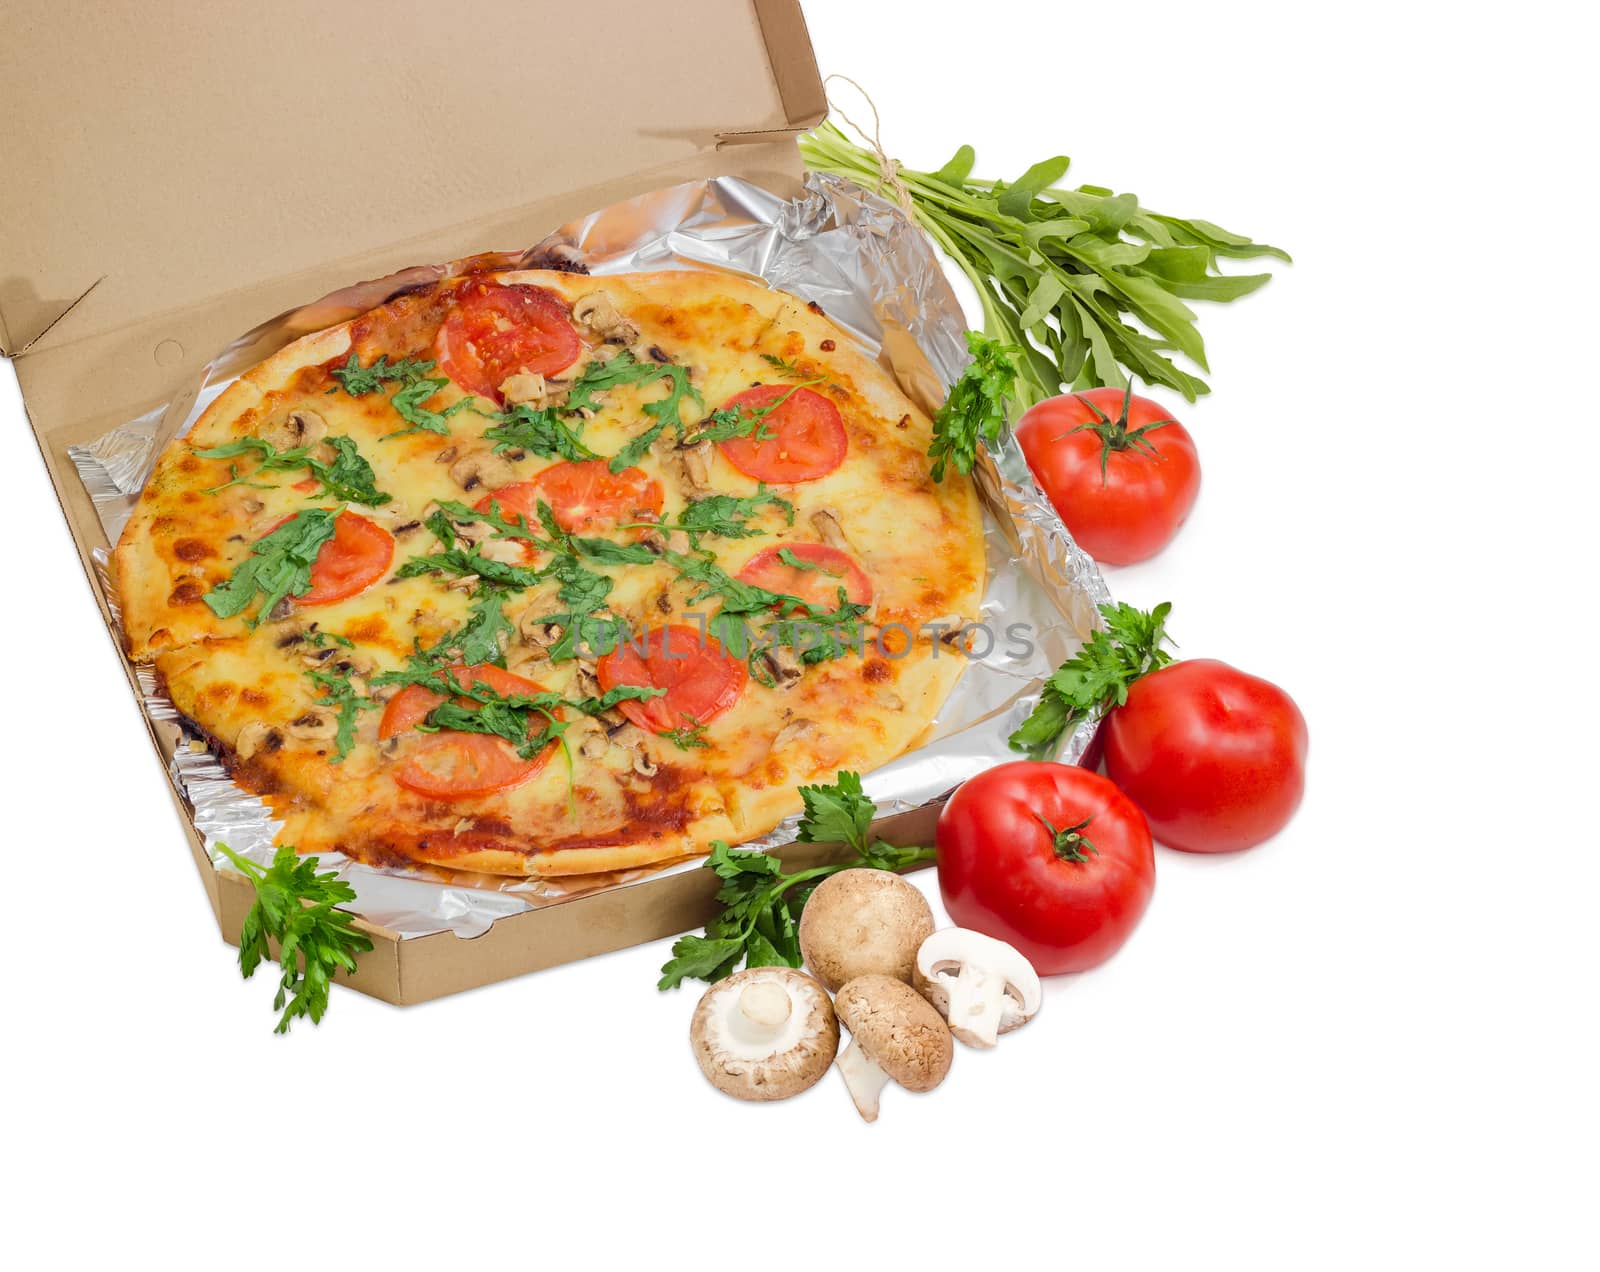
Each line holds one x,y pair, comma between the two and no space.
876,275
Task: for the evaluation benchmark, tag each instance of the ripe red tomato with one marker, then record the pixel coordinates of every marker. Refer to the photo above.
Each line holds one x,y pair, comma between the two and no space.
1051,858
1119,469
1215,758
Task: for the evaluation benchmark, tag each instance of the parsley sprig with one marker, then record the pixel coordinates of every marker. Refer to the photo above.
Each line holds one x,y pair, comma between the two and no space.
975,410
760,922
1097,677
294,906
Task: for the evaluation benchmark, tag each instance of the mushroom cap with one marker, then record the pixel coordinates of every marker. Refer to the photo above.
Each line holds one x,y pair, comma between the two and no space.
898,1029
765,1033
863,922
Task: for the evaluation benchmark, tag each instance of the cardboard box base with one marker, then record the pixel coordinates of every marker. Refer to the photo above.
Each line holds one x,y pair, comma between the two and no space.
419,968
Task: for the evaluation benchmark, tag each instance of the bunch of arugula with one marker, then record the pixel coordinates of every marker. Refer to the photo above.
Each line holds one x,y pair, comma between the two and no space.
294,906
348,477
1097,677
760,922
1083,283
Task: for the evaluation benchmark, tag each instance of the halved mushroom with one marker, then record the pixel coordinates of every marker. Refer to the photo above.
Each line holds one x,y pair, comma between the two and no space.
314,724
596,312
482,470
783,666
535,628
825,521
765,1033
791,732
861,922
981,986
505,551
895,1036
299,427
697,464
257,737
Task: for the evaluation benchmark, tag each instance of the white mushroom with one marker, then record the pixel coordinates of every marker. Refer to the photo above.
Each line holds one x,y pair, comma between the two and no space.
895,1036
982,987
482,470
861,922
765,1033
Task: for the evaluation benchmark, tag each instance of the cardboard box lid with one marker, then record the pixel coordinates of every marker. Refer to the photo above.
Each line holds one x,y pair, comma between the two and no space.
162,155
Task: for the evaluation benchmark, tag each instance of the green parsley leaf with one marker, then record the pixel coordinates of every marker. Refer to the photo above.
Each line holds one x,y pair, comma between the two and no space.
1097,677
294,907
279,565
976,407
837,814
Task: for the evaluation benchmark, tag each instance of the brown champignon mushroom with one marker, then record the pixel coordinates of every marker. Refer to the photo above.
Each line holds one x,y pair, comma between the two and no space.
863,921
895,1036
765,1033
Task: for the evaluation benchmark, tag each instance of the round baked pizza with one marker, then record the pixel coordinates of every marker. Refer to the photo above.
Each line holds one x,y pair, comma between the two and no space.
539,573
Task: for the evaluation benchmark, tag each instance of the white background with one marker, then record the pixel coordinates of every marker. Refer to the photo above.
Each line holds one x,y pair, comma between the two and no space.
1368,1043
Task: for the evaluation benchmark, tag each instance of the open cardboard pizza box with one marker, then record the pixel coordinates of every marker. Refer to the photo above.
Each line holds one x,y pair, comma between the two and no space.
176,174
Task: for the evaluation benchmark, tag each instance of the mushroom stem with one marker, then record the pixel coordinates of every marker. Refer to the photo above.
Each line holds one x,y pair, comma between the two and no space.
977,1001
864,1078
764,1004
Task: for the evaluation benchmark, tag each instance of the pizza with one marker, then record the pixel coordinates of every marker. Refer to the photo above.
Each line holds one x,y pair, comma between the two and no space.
538,573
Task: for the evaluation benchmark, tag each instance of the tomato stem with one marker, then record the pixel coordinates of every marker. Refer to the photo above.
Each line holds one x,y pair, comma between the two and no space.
1068,842
1114,434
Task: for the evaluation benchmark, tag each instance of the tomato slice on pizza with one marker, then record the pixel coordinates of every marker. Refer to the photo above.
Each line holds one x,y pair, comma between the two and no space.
585,494
800,439
497,330
701,679
355,558
812,571
454,765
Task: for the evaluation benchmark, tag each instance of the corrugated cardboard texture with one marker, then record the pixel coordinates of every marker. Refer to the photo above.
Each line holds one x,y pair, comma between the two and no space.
173,174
